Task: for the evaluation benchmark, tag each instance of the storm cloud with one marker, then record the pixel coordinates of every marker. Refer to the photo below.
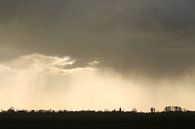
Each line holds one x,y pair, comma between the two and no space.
152,37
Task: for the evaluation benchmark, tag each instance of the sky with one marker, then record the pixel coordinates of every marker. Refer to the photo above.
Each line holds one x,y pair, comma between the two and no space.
97,54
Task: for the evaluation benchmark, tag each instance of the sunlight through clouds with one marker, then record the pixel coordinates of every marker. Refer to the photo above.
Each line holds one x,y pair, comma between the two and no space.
38,81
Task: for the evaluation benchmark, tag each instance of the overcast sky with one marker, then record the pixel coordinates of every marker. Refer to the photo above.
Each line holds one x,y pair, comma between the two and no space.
148,44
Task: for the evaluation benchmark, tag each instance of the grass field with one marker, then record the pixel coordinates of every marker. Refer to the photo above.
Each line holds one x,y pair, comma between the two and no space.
97,120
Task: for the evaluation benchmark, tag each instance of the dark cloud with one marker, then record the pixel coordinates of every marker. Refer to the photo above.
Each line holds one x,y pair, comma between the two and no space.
152,37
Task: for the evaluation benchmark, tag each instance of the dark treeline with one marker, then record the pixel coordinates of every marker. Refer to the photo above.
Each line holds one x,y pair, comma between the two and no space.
173,117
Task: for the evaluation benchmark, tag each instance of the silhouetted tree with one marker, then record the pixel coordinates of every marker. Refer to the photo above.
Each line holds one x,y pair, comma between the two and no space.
168,109
177,109
134,110
173,109
11,109
152,110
